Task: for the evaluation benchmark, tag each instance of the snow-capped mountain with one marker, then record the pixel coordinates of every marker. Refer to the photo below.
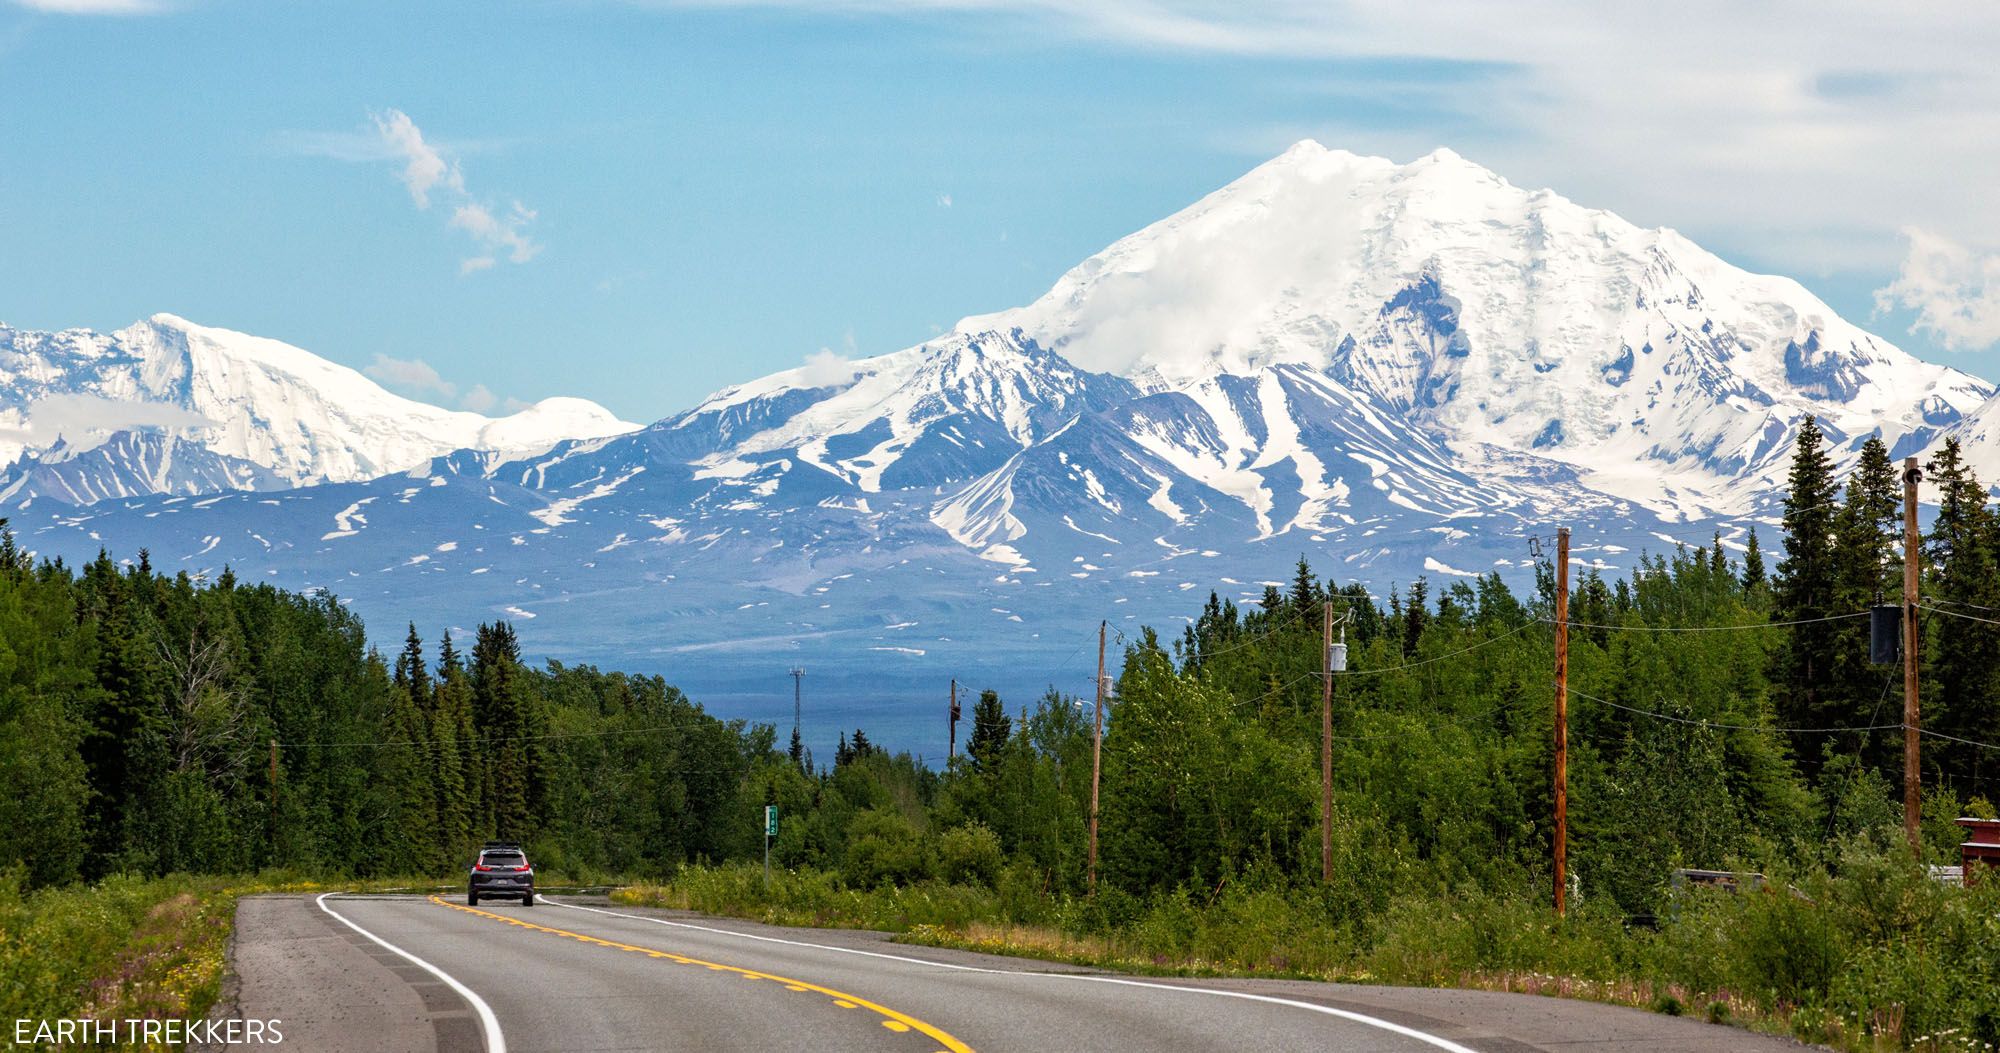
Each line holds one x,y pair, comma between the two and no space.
167,406
1395,370
1493,316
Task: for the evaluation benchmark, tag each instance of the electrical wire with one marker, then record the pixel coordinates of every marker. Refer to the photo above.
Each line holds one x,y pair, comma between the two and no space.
497,739
1957,614
1730,727
1293,616
1707,628
1488,642
1955,738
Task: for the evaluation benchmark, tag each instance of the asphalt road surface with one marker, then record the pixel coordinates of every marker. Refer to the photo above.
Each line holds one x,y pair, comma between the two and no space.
417,973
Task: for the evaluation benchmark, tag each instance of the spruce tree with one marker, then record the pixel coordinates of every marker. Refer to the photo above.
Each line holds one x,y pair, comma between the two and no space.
1305,597
1863,551
1753,563
990,728
1962,655
412,674
1805,589
1416,615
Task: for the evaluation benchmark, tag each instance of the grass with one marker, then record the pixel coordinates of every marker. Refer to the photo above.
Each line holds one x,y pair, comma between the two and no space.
127,947
1868,956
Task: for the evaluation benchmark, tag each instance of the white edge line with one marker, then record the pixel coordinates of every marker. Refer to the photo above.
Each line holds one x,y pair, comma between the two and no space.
1344,1014
495,1042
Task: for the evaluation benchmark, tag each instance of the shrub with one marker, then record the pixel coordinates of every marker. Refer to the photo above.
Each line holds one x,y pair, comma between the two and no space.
969,855
883,848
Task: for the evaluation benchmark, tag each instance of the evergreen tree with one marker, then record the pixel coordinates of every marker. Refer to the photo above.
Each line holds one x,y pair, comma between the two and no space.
1864,531
1416,615
991,727
1806,589
505,714
412,674
1305,597
1753,563
1962,655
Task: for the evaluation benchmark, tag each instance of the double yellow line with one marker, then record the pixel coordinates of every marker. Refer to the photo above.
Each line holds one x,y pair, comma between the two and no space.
900,1023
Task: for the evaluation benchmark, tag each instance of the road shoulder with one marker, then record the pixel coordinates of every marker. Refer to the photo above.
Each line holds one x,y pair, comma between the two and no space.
1491,1021
333,989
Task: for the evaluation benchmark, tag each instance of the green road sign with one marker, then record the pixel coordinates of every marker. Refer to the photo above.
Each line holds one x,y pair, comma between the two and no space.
770,820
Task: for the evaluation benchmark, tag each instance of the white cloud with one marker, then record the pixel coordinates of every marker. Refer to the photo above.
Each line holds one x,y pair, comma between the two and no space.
496,232
92,7
430,173
479,399
1799,123
423,167
80,419
412,376
826,368
1954,290
944,200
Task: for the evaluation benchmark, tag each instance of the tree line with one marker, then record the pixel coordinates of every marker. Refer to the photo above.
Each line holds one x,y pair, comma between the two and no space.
138,709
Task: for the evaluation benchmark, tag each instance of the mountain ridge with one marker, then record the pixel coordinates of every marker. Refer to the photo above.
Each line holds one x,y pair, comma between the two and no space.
1397,370
283,415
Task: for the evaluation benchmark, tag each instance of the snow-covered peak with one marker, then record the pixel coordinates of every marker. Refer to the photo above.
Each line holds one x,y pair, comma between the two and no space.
293,415
1492,315
966,392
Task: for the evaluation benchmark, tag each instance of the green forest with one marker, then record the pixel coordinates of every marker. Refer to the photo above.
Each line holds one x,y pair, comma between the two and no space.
1723,714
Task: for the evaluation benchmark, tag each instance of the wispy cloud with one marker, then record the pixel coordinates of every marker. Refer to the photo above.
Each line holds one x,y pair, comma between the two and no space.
78,419
1954,291
826,368
479,399
944,200
423,167
1893,112
430,173
411,376
496,233
93,7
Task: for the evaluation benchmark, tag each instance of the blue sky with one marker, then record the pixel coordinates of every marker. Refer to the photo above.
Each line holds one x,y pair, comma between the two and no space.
641,202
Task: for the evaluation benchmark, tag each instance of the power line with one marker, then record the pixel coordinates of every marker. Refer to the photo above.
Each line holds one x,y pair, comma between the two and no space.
1955,738
1515,631
1709,628
488,740
1956,614
1282,624
1731,727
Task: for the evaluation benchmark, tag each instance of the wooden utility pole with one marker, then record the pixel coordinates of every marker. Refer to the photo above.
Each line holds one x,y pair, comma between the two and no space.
274,792
1326,744
1562,717
951,749
1096,754
1912,732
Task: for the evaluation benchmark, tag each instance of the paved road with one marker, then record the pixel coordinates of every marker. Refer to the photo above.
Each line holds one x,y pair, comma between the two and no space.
395,973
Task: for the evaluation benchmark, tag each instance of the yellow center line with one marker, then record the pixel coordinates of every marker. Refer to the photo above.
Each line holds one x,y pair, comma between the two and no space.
891,1019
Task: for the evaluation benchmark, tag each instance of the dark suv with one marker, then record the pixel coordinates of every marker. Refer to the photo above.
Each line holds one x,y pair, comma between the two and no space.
501,870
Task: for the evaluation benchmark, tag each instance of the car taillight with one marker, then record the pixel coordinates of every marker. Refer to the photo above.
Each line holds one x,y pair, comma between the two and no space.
522,868
481,866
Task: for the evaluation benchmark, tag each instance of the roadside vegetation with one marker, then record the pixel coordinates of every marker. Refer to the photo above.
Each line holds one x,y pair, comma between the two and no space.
1724,716
126,947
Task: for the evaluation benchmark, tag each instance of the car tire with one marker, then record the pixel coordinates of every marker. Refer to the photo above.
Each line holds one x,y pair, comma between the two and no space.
528,900
472,899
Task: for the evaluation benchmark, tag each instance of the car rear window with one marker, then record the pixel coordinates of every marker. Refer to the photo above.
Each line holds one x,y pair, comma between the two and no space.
504,859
